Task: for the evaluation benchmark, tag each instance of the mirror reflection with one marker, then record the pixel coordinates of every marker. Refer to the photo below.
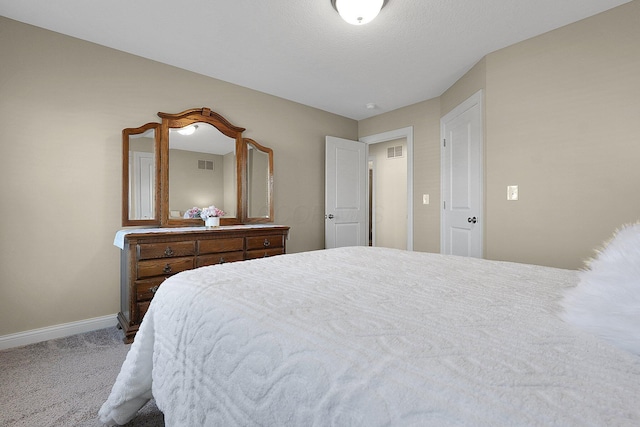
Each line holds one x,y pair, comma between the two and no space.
202,170
142,175
258,182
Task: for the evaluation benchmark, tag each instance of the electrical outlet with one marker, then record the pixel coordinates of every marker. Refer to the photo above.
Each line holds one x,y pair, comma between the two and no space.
425,199
512,192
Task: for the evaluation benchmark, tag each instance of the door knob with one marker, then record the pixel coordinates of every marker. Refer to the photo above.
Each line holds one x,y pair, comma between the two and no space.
472,220
330,216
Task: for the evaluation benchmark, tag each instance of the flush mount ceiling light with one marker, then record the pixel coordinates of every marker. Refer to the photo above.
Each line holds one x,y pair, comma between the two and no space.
358,12
188,130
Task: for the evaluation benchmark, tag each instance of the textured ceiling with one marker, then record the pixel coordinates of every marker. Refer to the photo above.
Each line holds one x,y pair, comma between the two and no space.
303,51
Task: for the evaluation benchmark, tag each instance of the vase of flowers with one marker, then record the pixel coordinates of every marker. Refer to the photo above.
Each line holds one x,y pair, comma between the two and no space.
212,222
211,216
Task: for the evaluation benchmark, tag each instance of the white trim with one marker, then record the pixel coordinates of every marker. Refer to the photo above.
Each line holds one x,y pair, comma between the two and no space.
57,331
373,197
389,136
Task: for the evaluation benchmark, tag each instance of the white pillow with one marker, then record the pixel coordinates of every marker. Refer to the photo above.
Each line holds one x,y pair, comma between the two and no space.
606,301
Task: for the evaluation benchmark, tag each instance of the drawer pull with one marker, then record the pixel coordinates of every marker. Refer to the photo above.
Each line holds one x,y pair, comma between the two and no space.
266,243
168,251
166,269
154,289
221,260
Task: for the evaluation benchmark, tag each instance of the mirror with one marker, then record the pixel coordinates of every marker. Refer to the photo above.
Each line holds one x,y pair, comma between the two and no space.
194,159
209,132
140,175
259,170
202,170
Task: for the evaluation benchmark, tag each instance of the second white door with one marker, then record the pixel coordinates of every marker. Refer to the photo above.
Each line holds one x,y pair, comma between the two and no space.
462,179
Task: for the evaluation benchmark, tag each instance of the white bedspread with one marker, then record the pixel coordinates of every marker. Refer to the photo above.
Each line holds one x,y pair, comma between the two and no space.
367,337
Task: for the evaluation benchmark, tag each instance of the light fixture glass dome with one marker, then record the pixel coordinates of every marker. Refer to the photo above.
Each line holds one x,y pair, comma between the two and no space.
188,130
358,12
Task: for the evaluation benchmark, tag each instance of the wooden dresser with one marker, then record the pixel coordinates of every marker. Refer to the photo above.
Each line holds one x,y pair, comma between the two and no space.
149,257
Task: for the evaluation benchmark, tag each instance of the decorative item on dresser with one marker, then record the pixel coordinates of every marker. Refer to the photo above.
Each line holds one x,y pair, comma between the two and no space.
167,172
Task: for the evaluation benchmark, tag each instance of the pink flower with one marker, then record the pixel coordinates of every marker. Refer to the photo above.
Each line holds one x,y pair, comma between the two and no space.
211,211
194,212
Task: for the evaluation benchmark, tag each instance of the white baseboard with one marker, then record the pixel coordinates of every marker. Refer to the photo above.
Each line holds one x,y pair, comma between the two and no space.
57,331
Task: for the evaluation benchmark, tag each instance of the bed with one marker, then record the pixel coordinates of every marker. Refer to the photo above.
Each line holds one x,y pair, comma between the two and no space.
365,336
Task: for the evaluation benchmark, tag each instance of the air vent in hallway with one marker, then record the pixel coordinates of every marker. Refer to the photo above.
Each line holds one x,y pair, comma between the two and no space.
394,152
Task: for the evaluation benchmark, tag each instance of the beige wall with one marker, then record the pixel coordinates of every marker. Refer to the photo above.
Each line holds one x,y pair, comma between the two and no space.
470,83
63,105
257,184
190,186
561,122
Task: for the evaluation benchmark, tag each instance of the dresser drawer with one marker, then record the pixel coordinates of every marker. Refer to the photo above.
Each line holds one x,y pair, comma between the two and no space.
263,253
163,267
145,289
219,258
265,242
148,258
166,250
220,245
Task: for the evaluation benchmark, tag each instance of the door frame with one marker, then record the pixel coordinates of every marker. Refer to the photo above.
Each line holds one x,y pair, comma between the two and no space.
406,133
474,100
372,197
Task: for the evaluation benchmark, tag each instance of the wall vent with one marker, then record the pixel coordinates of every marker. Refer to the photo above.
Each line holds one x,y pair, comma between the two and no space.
393,152
205,164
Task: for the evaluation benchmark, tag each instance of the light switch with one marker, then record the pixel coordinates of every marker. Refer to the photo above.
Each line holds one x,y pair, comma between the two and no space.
512,192
425,199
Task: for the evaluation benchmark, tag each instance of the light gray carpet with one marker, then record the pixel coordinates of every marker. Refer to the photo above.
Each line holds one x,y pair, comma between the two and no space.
64,382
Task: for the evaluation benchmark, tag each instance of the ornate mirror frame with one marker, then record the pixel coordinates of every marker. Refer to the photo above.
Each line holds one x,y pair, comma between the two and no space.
266,209
161,150
184,119
127,179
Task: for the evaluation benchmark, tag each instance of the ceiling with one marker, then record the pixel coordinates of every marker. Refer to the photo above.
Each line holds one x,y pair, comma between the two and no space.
205,139
303,51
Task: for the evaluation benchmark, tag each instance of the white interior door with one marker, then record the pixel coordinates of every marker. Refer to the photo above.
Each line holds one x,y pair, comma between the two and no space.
346,214
144,185
462,179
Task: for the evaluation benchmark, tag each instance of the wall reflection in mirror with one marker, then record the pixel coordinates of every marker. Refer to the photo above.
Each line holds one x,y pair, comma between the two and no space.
259,180
202,170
